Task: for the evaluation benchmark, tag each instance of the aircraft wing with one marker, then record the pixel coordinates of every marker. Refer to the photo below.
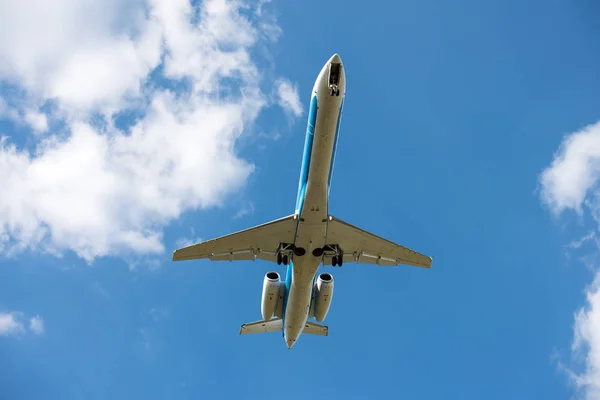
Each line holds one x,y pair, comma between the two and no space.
365,248
261,242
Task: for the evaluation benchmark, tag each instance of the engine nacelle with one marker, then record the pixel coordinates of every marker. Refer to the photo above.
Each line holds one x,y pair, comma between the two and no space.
271,295
323,294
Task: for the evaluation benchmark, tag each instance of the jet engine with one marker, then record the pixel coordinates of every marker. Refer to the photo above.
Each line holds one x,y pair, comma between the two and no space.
272,301
322,295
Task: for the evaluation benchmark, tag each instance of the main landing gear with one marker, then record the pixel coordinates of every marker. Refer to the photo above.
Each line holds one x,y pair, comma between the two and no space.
334,90
337,260
286,251
333,251
282,258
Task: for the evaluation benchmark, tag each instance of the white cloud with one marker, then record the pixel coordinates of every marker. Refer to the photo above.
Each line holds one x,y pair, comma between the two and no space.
37,120
9,324
287,97
96,188
36,324
586,343
574,171
570,184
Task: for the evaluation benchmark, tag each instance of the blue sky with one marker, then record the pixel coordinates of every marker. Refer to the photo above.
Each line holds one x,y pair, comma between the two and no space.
469,134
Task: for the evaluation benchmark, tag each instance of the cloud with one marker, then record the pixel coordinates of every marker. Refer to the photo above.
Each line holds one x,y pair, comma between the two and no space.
185,79
37,120
156,313
586,344
287,97
576,244
569,183
9,324
189,240
574,171
248,209
36,324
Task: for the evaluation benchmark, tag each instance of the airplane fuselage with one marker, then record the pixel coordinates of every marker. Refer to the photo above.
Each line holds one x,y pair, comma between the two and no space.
324,117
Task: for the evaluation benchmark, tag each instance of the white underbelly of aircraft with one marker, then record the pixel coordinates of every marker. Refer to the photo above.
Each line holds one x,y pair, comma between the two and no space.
317,190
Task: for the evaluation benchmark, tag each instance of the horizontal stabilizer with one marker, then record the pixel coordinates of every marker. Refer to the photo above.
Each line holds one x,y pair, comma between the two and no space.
272,325
315,329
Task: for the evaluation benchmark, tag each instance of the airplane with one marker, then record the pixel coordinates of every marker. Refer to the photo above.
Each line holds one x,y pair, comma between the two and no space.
310,236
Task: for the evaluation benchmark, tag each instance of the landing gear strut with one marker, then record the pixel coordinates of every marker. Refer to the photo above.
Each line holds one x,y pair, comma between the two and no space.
332,250
285,252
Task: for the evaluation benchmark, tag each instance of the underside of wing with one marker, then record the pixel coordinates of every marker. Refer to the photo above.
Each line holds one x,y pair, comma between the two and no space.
258,242
363,247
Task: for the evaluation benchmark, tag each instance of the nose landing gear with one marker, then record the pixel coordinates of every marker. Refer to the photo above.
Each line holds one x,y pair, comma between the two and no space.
334,79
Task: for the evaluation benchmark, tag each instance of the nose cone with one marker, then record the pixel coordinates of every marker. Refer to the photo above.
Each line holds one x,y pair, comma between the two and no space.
335,59
289,343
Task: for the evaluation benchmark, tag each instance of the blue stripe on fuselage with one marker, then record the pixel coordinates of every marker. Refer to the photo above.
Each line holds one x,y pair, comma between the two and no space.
288,284
308,144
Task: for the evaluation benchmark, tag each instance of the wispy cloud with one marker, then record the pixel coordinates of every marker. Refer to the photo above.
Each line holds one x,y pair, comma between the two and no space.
576,244
156,313
287,97
9,324
36,324
101,185
248,209
14,323
570,183
189,240
100,290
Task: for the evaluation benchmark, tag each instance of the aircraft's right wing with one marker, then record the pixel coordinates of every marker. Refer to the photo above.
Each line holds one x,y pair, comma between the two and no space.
261,242
364,247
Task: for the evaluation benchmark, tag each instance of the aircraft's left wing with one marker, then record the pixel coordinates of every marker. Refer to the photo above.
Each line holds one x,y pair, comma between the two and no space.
364,247
261,242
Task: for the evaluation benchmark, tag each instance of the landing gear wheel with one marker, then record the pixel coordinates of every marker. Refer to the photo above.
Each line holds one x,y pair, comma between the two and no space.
340,260
337,92
285,259
333,261
331,91
299,251
279,259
